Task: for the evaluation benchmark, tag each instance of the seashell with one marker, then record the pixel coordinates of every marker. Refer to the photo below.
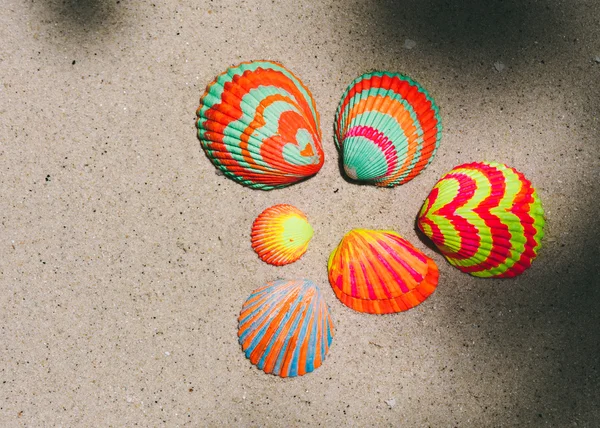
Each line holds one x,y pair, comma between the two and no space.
387,129
258,124
285,327
379,272
486,219
280,234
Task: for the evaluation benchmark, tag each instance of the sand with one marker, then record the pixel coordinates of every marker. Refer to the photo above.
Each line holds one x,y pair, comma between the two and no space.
125,259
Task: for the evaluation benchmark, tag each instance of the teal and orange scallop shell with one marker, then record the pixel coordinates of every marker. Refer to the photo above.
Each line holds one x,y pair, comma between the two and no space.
379,272
486,218
285,327
259,124
387,129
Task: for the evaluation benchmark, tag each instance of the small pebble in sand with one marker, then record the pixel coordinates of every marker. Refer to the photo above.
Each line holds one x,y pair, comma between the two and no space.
391,402
409,44
597,59
499,67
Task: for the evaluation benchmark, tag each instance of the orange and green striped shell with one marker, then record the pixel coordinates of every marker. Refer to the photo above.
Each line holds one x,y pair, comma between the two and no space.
387,129
285,328
259,124
379,272
486,219
280,234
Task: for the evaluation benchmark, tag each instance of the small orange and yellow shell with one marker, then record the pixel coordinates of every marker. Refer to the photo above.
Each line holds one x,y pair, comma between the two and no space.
280,234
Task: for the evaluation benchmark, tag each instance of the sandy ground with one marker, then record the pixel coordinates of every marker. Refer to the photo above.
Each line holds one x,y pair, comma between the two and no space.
125,259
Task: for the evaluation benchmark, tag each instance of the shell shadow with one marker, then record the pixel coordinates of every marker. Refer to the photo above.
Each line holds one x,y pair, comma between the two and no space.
424,239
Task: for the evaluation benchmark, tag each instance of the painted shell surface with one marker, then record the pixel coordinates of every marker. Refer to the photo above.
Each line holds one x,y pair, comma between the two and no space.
486,219
379,272
280,234
258,124
387,129
285,328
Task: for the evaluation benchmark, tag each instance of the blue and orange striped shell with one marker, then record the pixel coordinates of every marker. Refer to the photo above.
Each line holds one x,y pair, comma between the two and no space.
285,328
259,124
387,129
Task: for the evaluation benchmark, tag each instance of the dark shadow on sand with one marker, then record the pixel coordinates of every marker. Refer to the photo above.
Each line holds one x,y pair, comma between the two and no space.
545,323
469,27
82,20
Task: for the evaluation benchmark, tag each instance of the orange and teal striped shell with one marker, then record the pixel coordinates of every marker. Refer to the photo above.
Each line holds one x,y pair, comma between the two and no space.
379,272
285,328
259,124
280,234
387,129
486,219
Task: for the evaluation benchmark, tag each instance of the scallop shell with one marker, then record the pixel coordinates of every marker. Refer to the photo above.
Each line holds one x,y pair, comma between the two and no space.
280,234
379,272
486,219
258,124
387,129
285,328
